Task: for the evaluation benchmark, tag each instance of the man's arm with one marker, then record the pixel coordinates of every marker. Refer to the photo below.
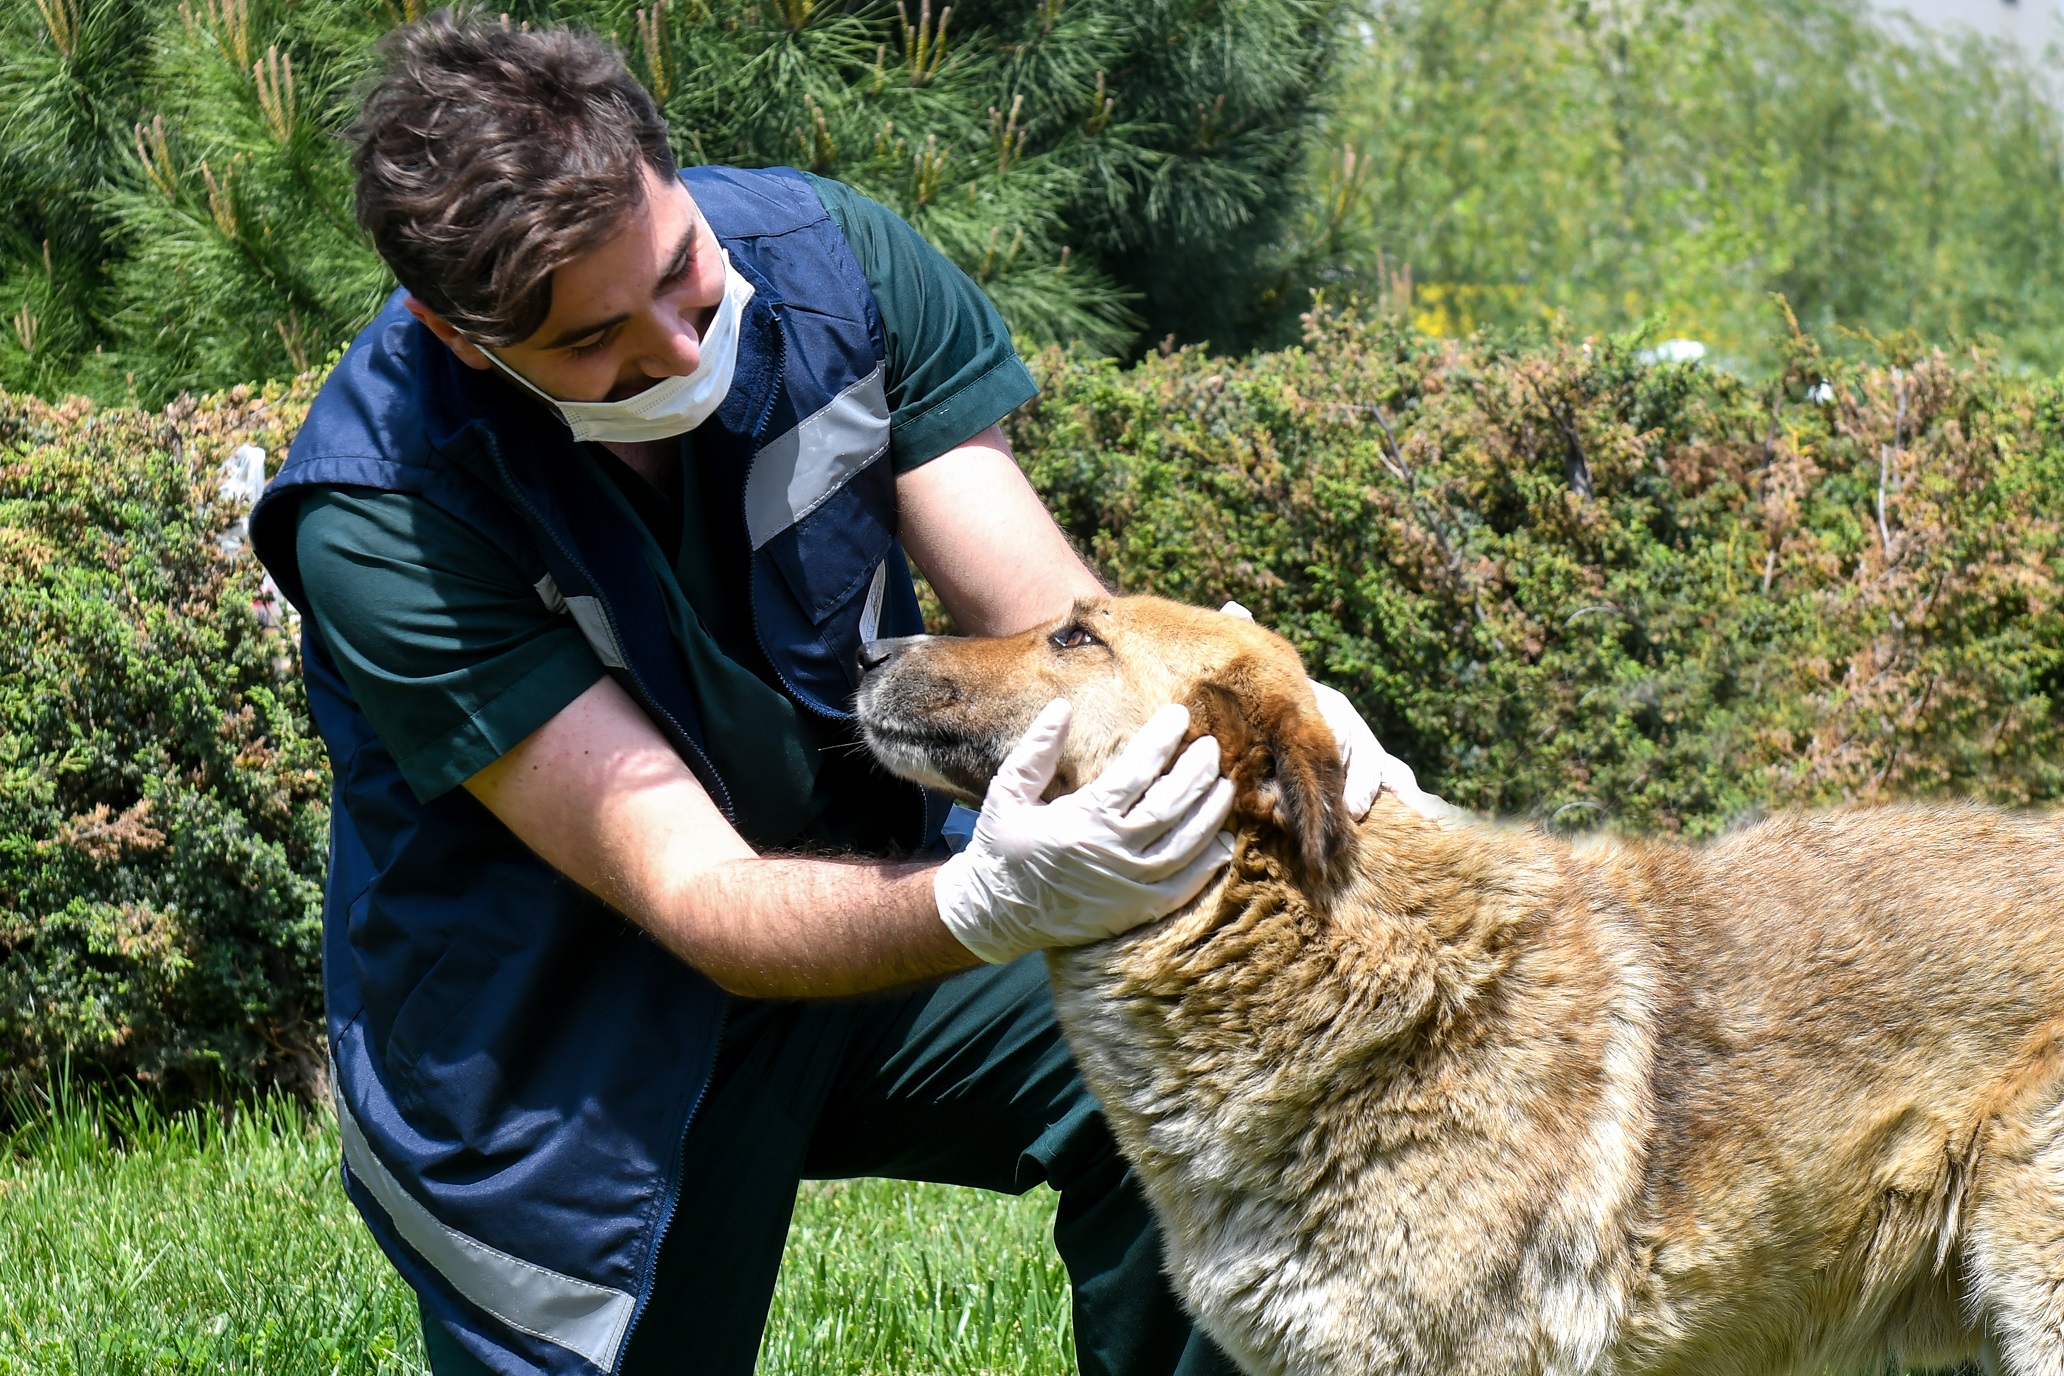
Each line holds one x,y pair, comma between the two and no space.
602,797
977,530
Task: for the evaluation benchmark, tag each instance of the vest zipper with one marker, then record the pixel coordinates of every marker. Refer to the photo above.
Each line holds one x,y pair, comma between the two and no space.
652,701
672,1190
671,1186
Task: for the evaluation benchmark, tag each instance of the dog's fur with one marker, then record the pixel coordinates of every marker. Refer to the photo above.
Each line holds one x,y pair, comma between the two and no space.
1460,1099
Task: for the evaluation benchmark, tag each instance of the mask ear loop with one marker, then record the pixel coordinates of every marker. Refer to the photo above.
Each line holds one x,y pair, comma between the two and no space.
540,393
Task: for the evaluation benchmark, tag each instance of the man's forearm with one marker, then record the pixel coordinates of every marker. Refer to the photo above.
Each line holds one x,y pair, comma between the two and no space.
601,795
788,927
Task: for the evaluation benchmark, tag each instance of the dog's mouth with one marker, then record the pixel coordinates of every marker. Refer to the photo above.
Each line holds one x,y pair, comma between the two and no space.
925,724
933,756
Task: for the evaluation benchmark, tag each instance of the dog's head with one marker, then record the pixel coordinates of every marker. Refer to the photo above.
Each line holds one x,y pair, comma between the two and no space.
944,712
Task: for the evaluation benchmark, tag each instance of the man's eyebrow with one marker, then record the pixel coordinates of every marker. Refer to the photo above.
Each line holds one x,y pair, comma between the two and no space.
677,263
580,332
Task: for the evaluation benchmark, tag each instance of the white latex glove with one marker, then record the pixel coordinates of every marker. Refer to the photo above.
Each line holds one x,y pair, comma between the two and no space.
1132,845
1370,768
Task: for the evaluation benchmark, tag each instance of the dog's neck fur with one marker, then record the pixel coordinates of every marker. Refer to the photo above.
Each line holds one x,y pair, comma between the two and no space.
1423,913
1408,933
1282,1052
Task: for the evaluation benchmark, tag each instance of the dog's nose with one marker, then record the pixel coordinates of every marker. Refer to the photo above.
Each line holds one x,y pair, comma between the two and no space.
875,653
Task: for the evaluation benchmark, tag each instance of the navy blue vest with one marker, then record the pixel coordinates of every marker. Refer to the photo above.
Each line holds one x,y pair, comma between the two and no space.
514,1064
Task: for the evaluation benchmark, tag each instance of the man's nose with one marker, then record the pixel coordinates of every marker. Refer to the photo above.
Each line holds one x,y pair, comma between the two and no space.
875,653
674,355
673,343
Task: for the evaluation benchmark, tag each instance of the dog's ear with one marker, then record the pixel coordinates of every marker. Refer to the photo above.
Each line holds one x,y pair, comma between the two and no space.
1283,761
1311,782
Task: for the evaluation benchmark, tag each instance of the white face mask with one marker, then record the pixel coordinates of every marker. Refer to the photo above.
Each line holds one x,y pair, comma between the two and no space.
673,405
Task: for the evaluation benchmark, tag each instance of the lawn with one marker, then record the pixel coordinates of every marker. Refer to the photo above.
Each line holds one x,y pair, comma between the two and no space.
131,1243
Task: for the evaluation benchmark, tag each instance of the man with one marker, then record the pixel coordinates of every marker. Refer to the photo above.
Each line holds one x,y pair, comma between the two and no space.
587,528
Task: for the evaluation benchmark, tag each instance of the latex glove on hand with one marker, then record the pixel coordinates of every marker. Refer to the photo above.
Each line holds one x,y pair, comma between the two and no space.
1132,845
1370,768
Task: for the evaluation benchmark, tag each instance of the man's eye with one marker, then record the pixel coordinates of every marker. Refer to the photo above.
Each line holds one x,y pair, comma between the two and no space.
1073,638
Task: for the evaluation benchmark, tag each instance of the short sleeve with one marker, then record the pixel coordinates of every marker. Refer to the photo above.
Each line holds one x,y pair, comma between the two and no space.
452,656
953,372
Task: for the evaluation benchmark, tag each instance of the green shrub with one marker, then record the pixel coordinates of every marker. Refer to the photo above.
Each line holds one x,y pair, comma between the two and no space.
162,797
1559,581
1567,583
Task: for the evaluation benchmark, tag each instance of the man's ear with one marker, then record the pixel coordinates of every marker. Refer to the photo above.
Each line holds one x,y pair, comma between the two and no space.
468,352
1284,764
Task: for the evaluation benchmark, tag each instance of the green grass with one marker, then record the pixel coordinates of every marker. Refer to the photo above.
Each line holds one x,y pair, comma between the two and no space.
133,1243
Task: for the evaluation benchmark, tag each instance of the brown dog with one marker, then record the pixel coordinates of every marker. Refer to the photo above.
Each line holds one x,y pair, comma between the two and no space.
1456,1098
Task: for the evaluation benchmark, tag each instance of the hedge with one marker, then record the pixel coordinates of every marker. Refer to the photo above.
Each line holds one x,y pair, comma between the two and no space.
1563,581
1572,583
163,822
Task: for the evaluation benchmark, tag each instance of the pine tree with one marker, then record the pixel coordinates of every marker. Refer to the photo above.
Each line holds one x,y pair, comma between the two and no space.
69,73
1109,170
241,259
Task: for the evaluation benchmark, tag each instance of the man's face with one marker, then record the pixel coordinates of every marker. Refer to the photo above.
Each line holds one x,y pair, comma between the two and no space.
624,316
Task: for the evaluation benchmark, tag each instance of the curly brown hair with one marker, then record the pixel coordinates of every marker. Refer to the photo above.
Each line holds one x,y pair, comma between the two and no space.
488,156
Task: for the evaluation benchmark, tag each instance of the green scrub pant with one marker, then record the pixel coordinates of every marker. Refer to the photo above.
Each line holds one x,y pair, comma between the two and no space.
963,1082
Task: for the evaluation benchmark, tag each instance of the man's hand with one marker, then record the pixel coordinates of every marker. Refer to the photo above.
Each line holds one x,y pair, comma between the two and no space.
1132,845
1370,768
600,795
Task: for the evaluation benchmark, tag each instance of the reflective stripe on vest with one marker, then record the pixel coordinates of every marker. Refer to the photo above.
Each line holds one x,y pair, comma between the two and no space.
588,614
870,614
586,1319
800,470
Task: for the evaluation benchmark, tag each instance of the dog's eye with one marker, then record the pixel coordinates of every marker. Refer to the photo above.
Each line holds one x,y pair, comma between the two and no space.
1073,638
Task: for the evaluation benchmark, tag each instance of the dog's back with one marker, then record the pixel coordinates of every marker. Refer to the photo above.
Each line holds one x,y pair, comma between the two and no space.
1856,1075
1497,1103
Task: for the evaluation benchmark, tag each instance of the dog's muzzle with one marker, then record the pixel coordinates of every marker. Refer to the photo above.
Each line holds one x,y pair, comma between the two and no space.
907,722
876,653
